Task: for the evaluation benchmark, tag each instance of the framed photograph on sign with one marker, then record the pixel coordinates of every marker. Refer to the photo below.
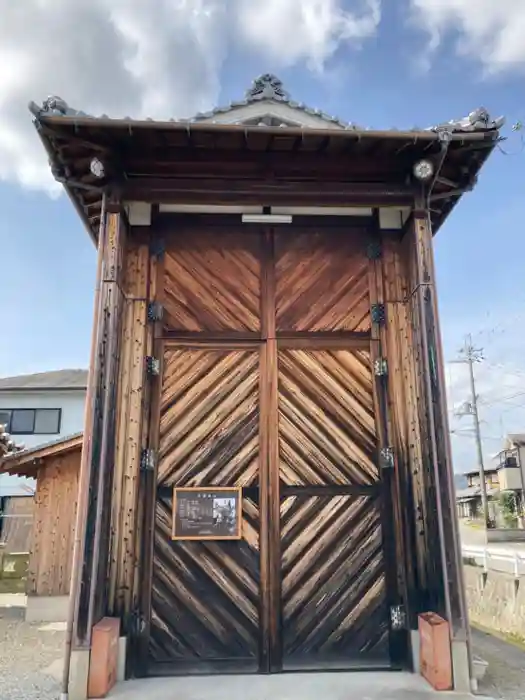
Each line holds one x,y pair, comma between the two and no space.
207,513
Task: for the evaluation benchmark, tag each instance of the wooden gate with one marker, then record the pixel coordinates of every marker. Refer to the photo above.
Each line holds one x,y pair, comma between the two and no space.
273,392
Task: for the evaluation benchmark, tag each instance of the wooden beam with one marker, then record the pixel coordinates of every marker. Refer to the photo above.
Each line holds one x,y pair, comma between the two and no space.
190,161
286,192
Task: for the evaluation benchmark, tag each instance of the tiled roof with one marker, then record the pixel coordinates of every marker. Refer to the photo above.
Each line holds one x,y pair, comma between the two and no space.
24,461
269,89
60,379
473,492
517,438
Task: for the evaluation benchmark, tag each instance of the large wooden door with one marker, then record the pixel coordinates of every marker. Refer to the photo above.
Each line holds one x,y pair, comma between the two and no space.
267,384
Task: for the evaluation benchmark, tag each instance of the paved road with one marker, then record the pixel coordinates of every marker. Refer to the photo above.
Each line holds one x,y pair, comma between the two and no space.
505,675
476,537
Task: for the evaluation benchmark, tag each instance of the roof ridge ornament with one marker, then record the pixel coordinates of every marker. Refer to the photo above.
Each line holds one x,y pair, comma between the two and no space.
54,106
267,87
478,120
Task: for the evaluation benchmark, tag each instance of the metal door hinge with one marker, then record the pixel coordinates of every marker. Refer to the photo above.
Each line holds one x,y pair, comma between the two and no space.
157,248
398,618
152,366
378,313
138,623
155,311
387,458
381,367
374,250
147,460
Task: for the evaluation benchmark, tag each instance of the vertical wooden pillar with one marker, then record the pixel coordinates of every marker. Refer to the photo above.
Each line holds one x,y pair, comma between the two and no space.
145,541
403,418
99,431
131,380
388,459
270,514
443,508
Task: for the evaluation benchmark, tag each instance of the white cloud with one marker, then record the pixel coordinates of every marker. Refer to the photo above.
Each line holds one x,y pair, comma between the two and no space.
490,31
310,30
158,58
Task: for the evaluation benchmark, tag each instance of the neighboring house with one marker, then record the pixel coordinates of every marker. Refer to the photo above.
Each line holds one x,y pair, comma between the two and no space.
50,533
469,498
37,408
511,463
504,473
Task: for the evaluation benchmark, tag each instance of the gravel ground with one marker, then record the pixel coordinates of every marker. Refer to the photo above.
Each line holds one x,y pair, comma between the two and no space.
29,660
505,675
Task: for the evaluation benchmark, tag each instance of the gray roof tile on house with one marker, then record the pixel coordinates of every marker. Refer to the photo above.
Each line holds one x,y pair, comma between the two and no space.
59,379
42,446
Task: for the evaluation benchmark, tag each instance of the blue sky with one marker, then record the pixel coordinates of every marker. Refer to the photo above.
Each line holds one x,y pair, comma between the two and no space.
388,78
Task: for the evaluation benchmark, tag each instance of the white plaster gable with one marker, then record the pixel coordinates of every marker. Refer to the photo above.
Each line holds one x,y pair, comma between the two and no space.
271,113
267,103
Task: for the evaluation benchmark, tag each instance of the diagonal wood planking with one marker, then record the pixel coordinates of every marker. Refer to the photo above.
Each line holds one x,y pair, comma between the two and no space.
209,418
333,585
334,610
205,595
326,418
322,282
212,283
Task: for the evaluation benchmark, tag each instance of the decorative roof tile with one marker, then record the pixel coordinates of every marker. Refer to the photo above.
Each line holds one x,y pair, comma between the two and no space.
268,88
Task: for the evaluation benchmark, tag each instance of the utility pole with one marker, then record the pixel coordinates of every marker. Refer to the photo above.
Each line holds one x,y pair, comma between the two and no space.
470,355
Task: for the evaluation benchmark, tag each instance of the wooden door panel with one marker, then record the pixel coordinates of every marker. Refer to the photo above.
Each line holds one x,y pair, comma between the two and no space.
334,603
212,283
334,607
205,597
209,424
326,418
205,594
322,281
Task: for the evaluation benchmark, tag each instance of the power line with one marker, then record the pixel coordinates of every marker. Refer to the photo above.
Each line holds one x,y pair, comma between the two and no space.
504,399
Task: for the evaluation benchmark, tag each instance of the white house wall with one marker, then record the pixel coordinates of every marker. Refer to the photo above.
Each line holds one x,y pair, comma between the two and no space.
72,419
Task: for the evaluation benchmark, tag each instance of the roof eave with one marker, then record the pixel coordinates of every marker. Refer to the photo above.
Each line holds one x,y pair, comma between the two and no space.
70,193
29,459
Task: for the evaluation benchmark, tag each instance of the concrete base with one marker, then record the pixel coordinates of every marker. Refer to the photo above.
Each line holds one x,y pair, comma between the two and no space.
78,675
414,648
47,608
287,686
121,663
460,667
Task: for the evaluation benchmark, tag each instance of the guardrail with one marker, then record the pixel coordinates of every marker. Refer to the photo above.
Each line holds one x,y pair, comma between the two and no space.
500,559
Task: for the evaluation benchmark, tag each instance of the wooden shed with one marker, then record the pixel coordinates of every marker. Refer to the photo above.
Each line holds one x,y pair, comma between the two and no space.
265,335
55,466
